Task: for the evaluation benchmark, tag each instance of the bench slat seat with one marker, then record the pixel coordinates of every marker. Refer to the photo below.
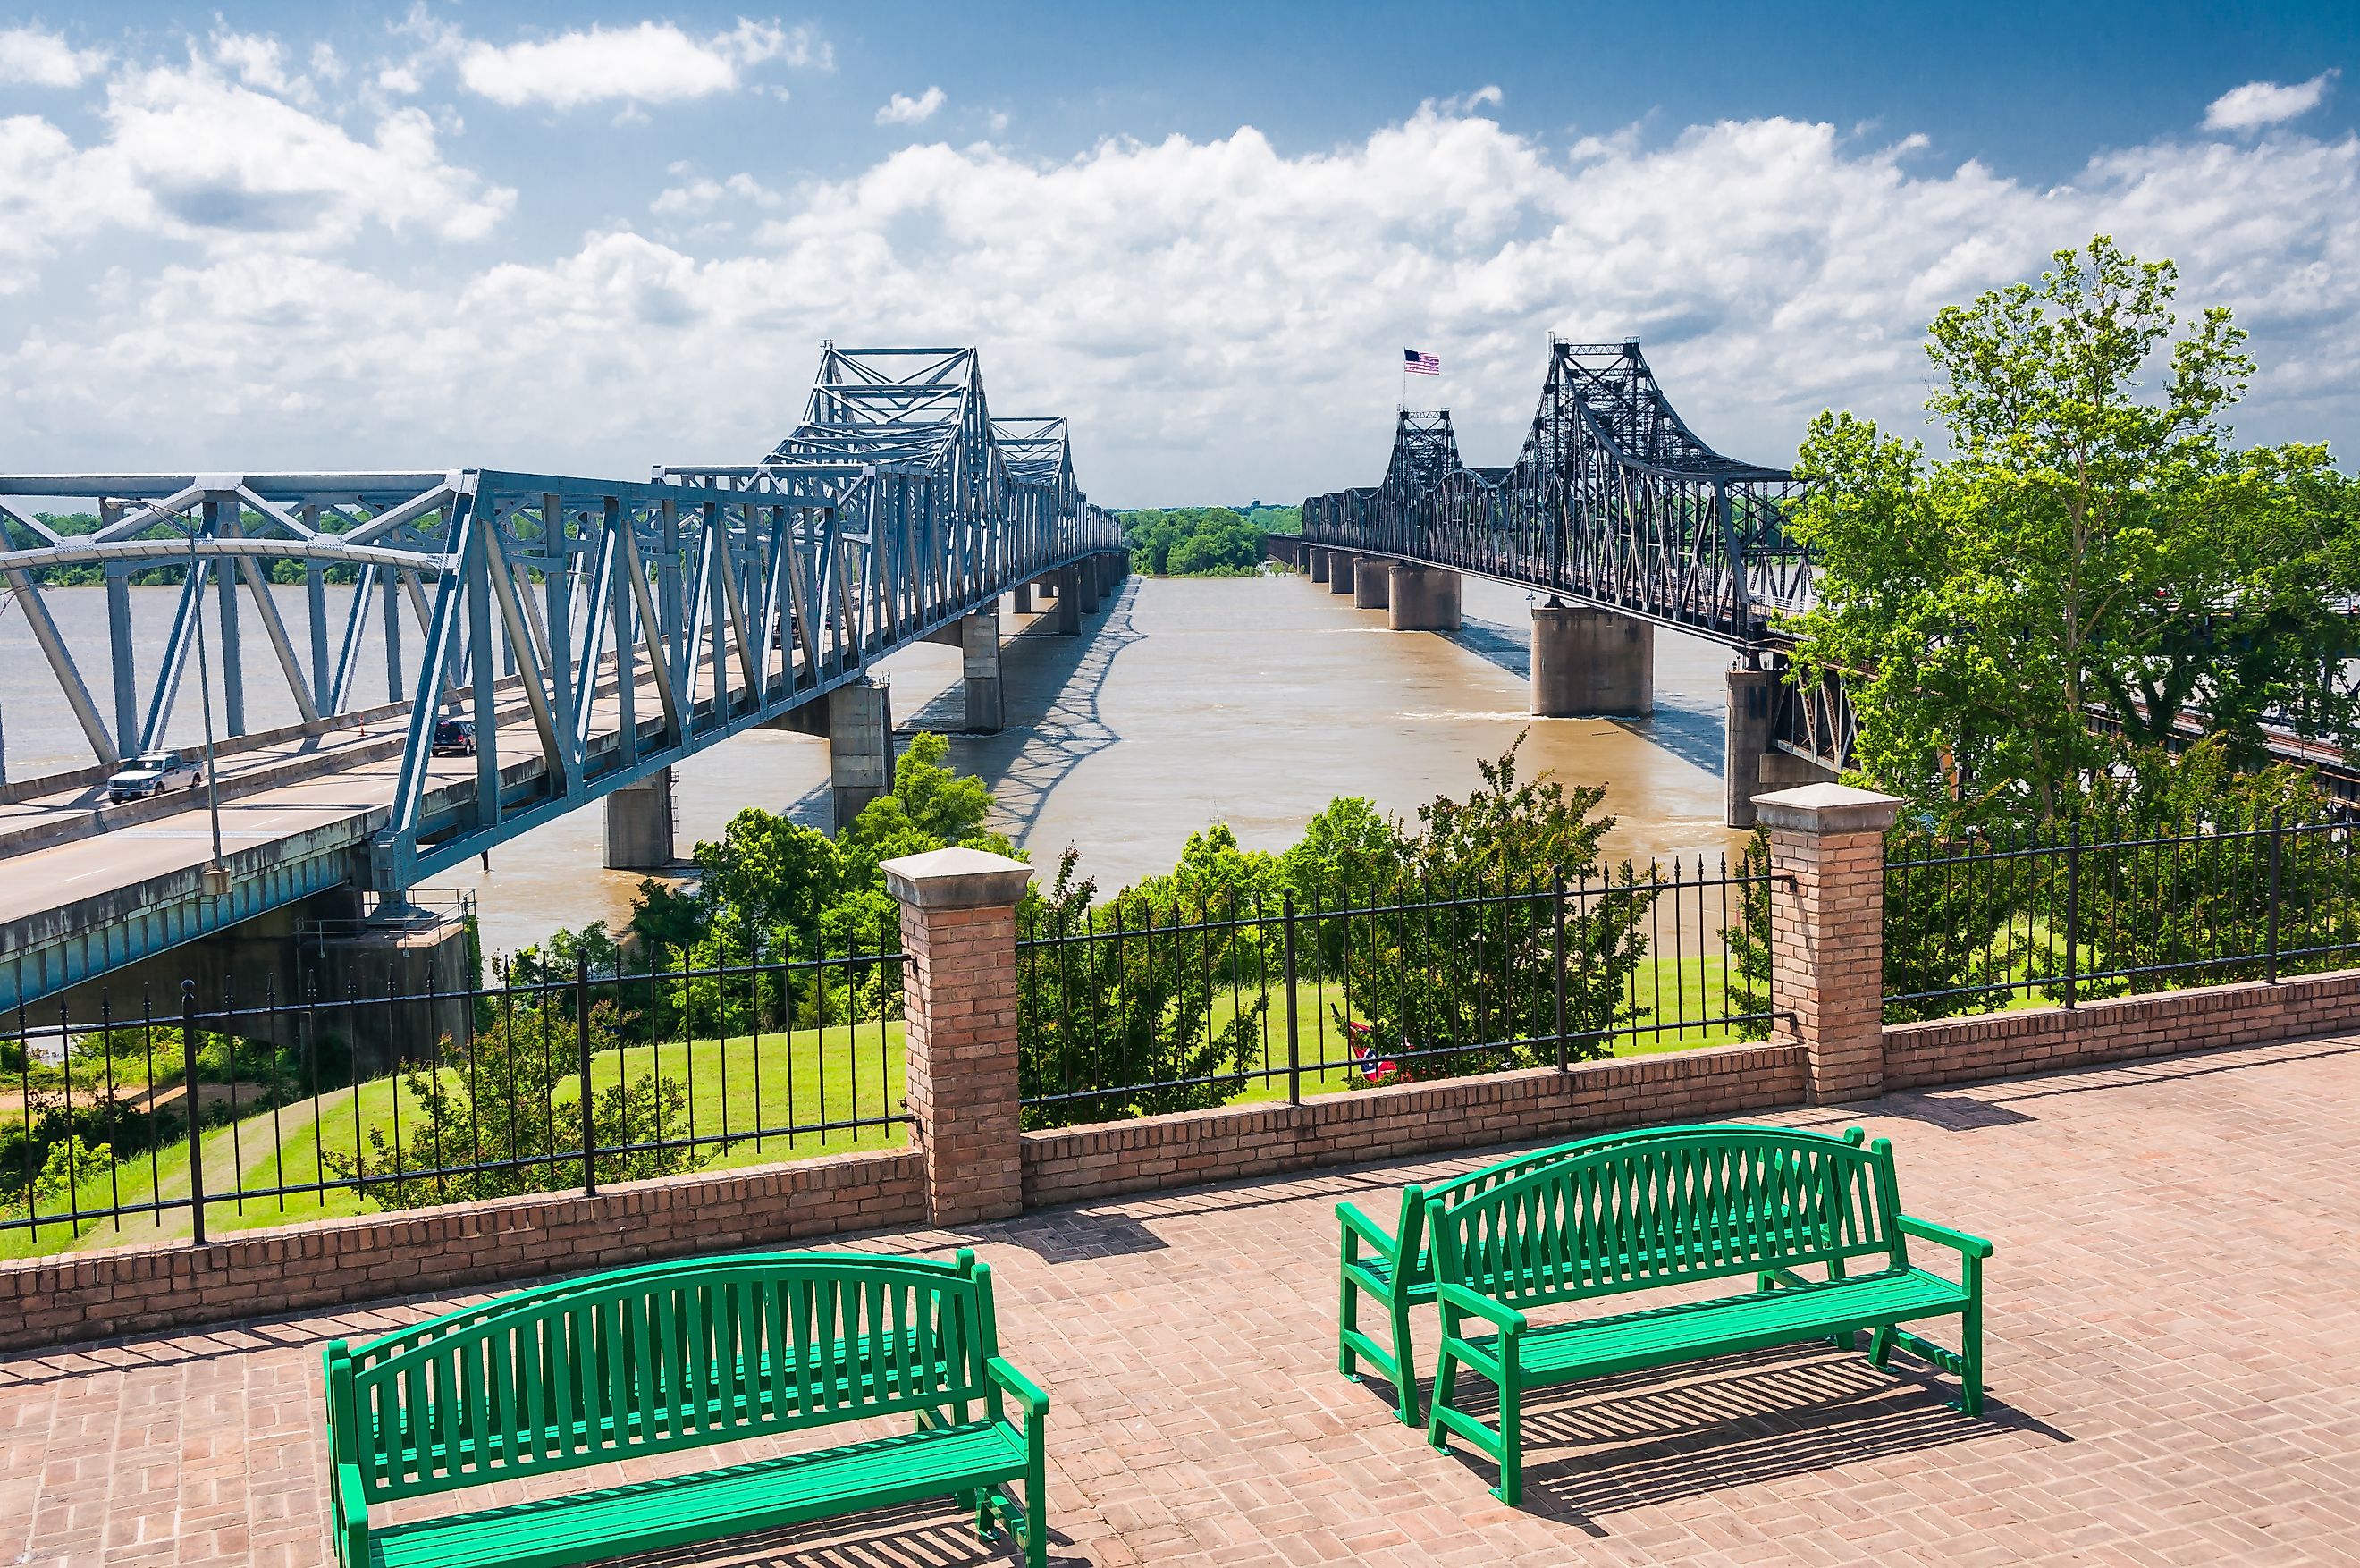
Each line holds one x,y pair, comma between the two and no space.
739,1500
1664,1336
1684,1208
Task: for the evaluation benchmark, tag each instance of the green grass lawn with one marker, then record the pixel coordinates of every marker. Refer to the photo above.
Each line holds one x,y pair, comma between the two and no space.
740,1088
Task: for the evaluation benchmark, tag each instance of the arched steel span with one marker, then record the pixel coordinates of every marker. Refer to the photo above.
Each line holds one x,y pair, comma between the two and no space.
1613,502
637,622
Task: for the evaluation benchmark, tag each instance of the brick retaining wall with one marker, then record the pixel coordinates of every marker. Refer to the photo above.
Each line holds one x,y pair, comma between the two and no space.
1226,1145
2003,1045
98,1294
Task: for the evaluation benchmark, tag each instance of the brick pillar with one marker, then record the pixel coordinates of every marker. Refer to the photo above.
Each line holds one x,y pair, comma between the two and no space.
958,1006
1827,931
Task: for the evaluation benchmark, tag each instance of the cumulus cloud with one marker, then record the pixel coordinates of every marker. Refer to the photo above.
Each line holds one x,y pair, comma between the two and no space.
703,194
191,154
2260,103
45,60
1216,314
903,110
653,62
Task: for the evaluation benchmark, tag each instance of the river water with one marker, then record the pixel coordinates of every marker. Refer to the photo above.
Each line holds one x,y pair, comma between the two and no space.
1250,701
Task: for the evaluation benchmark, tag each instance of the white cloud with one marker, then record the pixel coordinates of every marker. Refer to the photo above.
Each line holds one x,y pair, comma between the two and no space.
2259,104
1218,315
189,155
903,110
45,60
653,62
702,195
261,62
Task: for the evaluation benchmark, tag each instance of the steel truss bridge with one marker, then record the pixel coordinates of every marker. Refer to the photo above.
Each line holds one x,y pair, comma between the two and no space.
1614,503
636,623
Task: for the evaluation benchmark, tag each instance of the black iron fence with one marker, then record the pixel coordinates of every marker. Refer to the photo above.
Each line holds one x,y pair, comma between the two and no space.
1154,1004
190,1113
1981,924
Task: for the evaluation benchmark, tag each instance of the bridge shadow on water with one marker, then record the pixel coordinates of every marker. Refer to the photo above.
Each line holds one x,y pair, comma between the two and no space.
1053,687
1688,725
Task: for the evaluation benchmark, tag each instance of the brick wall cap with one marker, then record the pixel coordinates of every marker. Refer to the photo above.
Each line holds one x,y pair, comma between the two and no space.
957,878
1827,808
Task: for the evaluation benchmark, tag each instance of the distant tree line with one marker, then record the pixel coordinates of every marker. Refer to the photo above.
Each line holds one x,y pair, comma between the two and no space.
1203,541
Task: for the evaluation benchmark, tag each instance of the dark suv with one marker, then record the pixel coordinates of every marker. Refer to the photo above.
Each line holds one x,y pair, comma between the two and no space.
454,736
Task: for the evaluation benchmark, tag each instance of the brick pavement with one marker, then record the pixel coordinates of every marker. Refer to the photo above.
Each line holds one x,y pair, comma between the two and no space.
2174,1369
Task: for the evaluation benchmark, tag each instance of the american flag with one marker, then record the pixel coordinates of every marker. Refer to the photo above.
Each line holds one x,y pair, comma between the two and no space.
1416,364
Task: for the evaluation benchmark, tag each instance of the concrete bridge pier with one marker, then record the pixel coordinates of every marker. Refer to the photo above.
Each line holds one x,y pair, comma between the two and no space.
1421,598
1086,585
1373,586
987,710
860,747
1753,765
1319,562
1023,605
1591,662
640,826
1065,615
1340,569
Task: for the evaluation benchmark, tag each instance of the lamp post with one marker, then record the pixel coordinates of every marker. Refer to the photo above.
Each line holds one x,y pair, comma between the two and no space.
218,877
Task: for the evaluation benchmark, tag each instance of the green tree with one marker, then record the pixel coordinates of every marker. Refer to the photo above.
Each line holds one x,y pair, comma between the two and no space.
2086,548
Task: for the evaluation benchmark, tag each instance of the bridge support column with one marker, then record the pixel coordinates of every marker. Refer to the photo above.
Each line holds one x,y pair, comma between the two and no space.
1342,566
987,712
1319,562
639,826
860,747
1421,598
1023,605
1591,662
1085,587
1065,615
1752,763
1373,586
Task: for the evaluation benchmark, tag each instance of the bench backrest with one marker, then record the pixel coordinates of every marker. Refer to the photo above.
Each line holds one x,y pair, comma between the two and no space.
1417,1201
658,1357
1700,1203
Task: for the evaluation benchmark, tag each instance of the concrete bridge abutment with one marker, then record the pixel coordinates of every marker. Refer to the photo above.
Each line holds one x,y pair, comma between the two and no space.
640,827
1372,584
1421,598
1591,662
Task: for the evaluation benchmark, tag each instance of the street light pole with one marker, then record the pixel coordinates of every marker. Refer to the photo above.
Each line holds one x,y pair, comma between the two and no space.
216,873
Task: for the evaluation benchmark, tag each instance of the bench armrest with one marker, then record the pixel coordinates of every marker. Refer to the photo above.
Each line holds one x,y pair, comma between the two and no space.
352,1517
1027,1392
1357,1225
1507,1319
1942,1235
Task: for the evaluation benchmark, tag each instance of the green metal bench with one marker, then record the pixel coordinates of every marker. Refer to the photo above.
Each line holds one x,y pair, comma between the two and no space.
663,1357
1379,1272
1684,1207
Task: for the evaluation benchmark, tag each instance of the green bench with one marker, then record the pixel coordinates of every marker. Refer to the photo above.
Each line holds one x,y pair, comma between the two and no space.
663,1357
1380,1273
1684,1207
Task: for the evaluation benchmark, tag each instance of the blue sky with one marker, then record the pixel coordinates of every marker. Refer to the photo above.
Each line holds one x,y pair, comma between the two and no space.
441,236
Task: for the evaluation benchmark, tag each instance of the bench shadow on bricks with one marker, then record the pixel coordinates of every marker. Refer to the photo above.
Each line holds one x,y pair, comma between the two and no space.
931,1534
1635,1440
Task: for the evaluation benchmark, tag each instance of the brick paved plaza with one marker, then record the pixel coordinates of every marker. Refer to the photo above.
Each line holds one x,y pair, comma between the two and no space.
2174,1373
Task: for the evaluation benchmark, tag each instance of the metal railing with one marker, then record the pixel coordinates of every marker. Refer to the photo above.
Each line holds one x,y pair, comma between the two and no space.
411,1094
1153,1003
1988,923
